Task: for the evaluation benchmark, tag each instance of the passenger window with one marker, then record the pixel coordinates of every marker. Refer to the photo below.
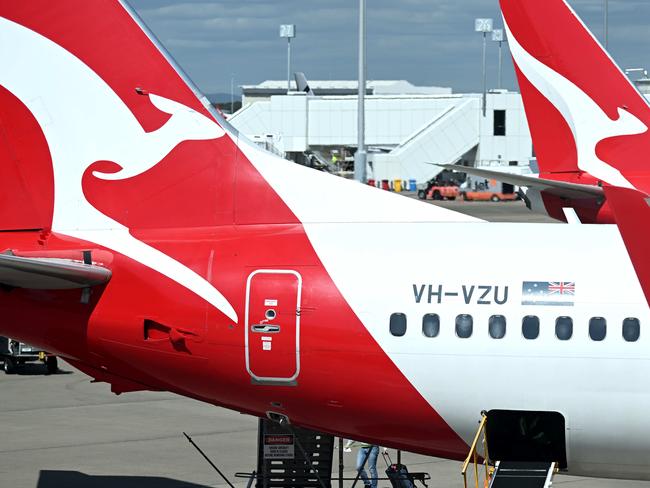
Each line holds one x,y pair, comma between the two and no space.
431,325
597,328
530,327
398,324
631,329
497,327
564,328
464,326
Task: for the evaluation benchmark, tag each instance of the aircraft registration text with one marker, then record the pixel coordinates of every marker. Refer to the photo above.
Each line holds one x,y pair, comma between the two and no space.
468,294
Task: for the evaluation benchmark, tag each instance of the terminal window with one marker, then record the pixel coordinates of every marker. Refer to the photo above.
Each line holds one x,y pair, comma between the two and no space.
398,324
431,325
631,329
499,122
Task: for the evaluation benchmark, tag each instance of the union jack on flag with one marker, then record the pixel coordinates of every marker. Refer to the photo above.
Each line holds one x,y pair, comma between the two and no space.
550,293
562,287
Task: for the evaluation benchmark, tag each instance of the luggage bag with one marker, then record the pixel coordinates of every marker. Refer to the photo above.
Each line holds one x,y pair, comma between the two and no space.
398,474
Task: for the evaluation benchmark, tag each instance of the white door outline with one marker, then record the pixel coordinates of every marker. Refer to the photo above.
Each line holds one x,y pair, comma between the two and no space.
248,325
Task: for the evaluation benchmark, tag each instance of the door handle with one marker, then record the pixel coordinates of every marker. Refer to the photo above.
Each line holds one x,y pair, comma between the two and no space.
265,328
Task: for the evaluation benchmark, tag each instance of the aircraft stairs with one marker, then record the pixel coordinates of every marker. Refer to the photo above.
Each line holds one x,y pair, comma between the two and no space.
447,139
489,473
522,475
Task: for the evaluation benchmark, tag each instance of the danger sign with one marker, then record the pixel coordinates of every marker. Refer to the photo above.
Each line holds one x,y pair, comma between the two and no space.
278,446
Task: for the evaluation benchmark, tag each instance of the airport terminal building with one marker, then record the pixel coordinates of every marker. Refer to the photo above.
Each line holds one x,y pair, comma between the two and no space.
409,129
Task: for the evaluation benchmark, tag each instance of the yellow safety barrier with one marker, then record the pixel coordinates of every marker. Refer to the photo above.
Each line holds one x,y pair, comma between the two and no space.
473,457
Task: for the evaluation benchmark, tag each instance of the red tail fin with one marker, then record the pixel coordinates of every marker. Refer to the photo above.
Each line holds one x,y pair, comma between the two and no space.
632,212
89,101
584,114
105,139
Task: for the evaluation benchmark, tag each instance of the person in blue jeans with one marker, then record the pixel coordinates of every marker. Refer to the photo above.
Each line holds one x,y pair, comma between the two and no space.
372,452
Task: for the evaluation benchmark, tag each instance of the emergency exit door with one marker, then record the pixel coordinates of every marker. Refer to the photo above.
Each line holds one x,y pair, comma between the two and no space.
273,326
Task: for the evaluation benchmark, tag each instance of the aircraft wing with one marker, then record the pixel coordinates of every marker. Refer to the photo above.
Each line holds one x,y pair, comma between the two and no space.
558,188
50,273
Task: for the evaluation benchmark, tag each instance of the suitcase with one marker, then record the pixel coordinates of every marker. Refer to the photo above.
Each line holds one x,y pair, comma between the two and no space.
398,474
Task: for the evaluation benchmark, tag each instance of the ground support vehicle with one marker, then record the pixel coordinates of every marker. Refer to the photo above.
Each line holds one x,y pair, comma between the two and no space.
483,190
14,354
483,196
435,192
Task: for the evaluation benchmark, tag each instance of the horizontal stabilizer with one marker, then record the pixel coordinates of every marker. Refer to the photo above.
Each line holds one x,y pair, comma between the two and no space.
558,188
50,273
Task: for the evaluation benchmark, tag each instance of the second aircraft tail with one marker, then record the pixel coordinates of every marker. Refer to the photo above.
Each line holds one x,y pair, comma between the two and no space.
585,116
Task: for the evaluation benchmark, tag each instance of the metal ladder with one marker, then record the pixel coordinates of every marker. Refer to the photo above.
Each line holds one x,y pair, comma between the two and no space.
504,474
523,475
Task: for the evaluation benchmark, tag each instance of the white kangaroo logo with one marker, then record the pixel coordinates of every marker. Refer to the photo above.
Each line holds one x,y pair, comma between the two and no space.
588,122
84,121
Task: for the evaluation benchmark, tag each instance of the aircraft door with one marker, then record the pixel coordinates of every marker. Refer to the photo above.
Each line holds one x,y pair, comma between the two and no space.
273,326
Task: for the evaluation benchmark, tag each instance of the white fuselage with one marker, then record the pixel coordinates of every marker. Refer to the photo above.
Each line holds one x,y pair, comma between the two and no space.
381,249
600,387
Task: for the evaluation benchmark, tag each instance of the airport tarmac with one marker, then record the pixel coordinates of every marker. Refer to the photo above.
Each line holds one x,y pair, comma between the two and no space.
515,211
62,431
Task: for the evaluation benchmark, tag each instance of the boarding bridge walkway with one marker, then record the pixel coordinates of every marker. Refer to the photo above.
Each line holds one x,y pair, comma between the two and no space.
445,140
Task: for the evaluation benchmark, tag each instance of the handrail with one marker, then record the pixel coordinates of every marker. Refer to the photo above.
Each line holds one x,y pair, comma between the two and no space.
473,454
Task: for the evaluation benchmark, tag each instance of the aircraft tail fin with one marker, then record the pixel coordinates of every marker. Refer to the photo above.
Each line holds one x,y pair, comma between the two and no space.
632,213
585,115
302,84
115,124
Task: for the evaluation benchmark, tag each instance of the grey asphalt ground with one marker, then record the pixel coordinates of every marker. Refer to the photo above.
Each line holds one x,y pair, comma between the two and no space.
62,431
493,212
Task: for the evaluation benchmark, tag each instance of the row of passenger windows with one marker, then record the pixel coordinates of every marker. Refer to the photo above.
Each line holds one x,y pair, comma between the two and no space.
529,327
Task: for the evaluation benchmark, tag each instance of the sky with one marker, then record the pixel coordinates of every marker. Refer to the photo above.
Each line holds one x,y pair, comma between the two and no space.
428,42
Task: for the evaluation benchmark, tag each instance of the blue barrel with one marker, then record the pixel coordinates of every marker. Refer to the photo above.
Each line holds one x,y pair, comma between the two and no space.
413,185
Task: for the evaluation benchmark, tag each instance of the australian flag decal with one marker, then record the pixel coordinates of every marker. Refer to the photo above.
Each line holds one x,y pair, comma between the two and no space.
553,293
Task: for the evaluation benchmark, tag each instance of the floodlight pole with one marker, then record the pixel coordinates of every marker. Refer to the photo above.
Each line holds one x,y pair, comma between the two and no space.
484,26
288,31
497,36
288,64
484,74
232,94
500,84
361,154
